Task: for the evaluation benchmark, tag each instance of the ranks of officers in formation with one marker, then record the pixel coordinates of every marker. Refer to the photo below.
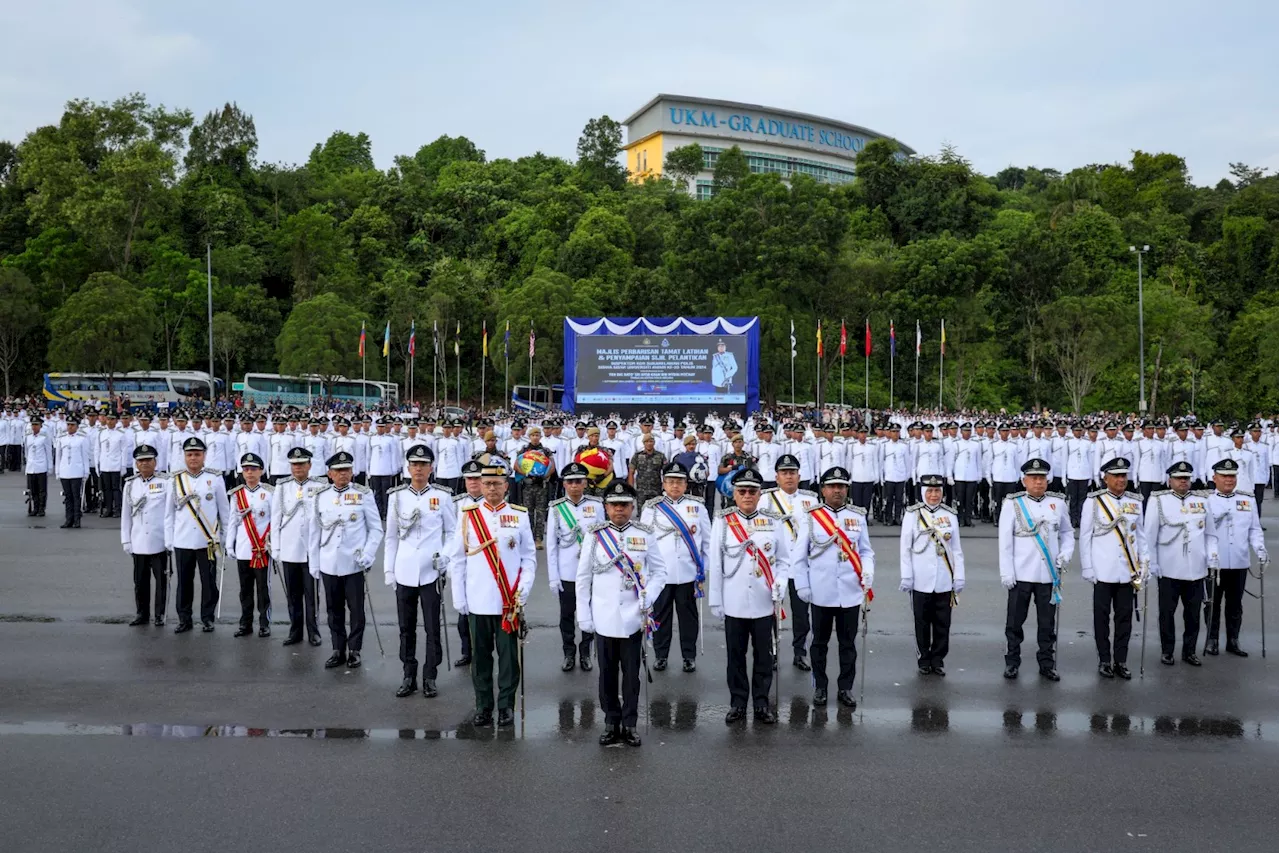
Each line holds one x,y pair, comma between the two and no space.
625,570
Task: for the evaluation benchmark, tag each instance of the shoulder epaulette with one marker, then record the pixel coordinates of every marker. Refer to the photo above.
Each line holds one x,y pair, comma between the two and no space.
859,510
770,513
442,487
726,510
396,489
815,506
518,507
364,490
324,480
1160,492
1059,495
556,502
770,489
1095,493
595,498
647,528
460,498
213,471
914,507
1013,495
236,489
598,526
806,493
1202,493
652,502
325,489
270,488
126,480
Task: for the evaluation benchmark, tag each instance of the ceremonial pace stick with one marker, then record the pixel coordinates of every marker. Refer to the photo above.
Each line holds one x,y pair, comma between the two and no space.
373,617
1142,655
777,672
862,688
1210,589
520,633
1262,603
444,617
222,568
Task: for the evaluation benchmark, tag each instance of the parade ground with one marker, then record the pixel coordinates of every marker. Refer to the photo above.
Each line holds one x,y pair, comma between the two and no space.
115,738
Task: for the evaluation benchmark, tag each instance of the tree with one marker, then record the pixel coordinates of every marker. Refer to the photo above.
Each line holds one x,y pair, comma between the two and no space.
683,164
598,149
434,156
1079,338
19,317
731,168
224,139
106,326
229,337
321,337
172,280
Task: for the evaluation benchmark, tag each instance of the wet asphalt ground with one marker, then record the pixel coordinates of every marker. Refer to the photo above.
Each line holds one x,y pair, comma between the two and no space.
115,738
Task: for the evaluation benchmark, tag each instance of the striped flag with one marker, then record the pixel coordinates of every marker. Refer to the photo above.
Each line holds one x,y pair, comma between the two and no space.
893,341
844,339
917,338
819,338
457,336
362,339
413,338
386,341
531,339
484,338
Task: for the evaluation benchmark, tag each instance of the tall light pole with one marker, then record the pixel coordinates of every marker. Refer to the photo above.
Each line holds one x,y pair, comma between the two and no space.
1142,343
208,248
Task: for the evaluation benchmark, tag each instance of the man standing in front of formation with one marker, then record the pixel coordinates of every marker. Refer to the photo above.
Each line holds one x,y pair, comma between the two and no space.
193,524
1036,543
291,518
1235,521
1114,558
72,463
620,567
248,543
568,520
420,525
932,567
39,455
834,568
748,569
1183,543
793,503
146,497
342,546
681,531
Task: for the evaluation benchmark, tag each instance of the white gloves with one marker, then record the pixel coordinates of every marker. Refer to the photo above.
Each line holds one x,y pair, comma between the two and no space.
868,577
389,578
522,598
804,594
557,586
1155,571
779,590
126,547
717,611
587,627
1090,575
958,585
463,610
905,585
1008,582
1213,561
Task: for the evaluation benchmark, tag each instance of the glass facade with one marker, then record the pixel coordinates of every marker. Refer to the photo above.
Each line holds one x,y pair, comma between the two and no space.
765,164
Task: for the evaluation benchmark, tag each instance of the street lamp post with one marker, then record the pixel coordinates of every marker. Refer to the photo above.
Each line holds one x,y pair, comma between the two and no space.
1142,343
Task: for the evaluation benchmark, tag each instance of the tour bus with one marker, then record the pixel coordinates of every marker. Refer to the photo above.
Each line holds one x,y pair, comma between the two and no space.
536,398
260,389
143,388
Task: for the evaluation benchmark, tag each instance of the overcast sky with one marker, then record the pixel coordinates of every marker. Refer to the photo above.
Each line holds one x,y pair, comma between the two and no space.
1024,83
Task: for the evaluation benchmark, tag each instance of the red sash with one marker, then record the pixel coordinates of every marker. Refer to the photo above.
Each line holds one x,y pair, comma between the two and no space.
489,546
828,524
257,540
734,523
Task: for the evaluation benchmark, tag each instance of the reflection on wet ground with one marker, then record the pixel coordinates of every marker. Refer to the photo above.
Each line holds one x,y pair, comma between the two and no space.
580,721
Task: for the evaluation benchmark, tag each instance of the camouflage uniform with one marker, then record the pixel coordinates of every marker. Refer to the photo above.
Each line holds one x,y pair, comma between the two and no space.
648,471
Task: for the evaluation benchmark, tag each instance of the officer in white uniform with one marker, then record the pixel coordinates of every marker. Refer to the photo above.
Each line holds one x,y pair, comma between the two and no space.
621,570
72,460
291,518
792,503
193,524
112,450
384,463
1181,540
38,452
249,544
1114,558
421,523
748,568
834,568
342,545
931,561
966,472
1036,543
568,520
146,496
1235,521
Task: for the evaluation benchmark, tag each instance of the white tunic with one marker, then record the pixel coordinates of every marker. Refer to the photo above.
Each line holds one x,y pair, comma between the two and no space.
205,502
142,514
680,564
1021,557
824,575
925,548
608,602
563,541
1235,521
1180,537
420,526
737,583
475,589
291,517
1102,554
238,544
345,531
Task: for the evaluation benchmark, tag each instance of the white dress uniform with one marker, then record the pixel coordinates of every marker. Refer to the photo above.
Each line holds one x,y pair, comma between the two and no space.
194,520
1235,522
420,526
255,581
113,448
39,462
142,520
1025,570
682,587
291,518
1113,557
564,547
73,457
931,562
342,544
1180,539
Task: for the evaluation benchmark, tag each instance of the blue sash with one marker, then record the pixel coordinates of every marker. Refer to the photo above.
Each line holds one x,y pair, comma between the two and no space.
683,529
1044,550
627,566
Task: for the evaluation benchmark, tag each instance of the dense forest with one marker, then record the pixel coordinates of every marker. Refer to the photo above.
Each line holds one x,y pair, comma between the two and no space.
107,220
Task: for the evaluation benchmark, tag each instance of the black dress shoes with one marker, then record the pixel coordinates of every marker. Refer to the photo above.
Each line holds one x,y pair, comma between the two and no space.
292,641
506,718
1010,672
765,715
429,690
937,670
353,660
1211,648
315,641
138,620
465,660
567,666
408,687
689,666
611,736
183,627
206,627
483,717
242,631
660,664
845,698
630,738
1187,659
801,664
1233,649
926,670
1104,669
1052,674
1122,671
820,696
159,622
584,663
264,632
335,660
1167,660
735,715
65,525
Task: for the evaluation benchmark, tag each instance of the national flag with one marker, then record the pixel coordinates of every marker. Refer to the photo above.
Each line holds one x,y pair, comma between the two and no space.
793,340
531,339
436,349
506,343
917,338
457,336
484,338
386,341
943,350
819,338
362,339
843,339
867,351
413,338
893,341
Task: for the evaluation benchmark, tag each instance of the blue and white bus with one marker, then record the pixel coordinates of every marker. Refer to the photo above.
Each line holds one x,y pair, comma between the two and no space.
143,388
260,389
536,398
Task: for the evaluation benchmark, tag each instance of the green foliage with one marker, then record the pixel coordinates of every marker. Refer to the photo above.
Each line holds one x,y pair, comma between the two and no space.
106,326
320,337
731,168
598,149
19,319
682,164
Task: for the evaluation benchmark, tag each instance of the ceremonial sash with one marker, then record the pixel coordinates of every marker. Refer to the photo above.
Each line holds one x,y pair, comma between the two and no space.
677,522
829,526
570,520
734,523
1134,574
489,547
201,522
786,514
258,541
1056,598
942,550
620,558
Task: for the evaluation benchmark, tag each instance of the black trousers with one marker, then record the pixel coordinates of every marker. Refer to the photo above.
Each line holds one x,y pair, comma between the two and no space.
1145,488
1077,491
186,561
1191,595
343,593
145,568
678,598
738,633
984,499
967,500
1106,597
799,621
1275,480
932,611
569,622
1016,614
380,484
1258,490
845,621
38,487
254,583
409,600
110,483
860,495
998,491
464,636
1230,588
619,660
72,495
893,506
229,480
300,595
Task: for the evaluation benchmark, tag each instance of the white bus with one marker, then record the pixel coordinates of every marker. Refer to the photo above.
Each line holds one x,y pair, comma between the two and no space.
260,389
143,388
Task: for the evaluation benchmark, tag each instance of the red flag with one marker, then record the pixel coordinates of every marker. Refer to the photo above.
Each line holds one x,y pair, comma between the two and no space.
868,353
819,339
844,340
362,340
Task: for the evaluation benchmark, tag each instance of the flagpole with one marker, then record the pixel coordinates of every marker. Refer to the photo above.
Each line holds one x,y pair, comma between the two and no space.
866,367
484,356
364,374
457,360
506,367
917,403
531,361
942,354
893,353
793,365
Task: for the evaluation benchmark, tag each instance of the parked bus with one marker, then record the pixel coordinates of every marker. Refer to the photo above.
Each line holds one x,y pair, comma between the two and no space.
260,389
536,398
143,388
